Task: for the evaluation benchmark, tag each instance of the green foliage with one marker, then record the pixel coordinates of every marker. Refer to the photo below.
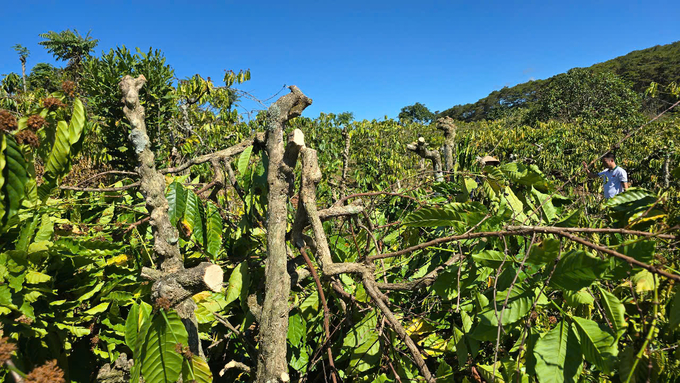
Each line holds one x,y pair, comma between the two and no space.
583,94
44,77
100,84
69,46
416,113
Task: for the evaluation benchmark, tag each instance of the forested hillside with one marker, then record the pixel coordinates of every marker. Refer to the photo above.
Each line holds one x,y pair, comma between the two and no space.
639,69
149,232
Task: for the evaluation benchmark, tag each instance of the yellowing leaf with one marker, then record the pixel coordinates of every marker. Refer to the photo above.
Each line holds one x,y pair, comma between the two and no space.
118,260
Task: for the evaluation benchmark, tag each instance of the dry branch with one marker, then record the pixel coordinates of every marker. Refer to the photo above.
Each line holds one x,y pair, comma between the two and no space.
172,282
420,148
272,364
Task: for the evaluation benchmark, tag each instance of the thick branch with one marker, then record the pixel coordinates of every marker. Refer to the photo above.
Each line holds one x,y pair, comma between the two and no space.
420,148
272,364
447,125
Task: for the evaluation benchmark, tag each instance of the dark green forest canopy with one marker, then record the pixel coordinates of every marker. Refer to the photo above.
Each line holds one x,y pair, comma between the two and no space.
660,64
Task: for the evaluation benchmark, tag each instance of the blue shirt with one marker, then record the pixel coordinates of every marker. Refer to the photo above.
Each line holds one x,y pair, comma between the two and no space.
614,180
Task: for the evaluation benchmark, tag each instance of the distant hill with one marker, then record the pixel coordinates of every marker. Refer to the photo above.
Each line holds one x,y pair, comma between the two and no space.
659,64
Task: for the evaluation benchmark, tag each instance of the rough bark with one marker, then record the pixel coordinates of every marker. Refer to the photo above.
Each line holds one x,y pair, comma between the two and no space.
420,148
666,171
172,278
447,125
272,365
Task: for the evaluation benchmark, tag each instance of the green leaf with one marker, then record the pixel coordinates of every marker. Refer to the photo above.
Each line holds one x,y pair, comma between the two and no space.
614,310
177,199
545,252
139,313
75,128
244,160
445,285
577,298
515,204
597,344
444,373
486,371
577,270
196,370
58,160
100,308
34,277
15,178
213,230
361,330
194,217
160,361
569,220
518,307
558,355
674,316
296,329
454,214
546,204
367,355
643,281
490,258
236,279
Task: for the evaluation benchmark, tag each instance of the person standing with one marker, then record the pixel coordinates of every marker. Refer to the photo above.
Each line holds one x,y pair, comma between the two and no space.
616,179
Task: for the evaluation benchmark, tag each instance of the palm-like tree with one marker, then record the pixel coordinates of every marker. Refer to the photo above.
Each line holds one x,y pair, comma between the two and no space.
23,55
69,46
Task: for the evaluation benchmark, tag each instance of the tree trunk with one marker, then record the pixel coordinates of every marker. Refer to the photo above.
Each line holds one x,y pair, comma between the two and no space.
666,171
172,282
447,125
420,148
23,71
272,366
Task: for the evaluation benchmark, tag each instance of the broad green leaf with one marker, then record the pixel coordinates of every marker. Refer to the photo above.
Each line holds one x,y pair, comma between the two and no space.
136,330
296,329
100,308
643,281
544,252
196,370
597,344
454,214
569,220
177,197
244,160
194,217
160,361
238,275
139,313
58,160
486,371
445,285
34,277
577,270
75,128
490,258
366,355
516,205
361,330
518,307
558,355
546,204
15,178
614,310
444,373
631,197
674,314
577,298
213,230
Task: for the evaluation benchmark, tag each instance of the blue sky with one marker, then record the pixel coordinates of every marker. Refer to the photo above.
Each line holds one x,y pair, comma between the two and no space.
368,57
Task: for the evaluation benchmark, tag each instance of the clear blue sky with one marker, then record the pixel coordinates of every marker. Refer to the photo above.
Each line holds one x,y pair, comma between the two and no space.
368,57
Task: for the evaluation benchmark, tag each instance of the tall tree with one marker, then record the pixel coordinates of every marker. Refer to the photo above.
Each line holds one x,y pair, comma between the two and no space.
23,55
417,112
69,46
